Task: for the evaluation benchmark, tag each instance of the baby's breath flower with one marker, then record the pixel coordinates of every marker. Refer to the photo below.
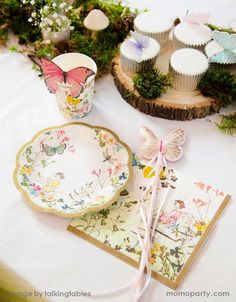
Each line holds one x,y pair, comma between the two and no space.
30,20
72,27
48,41
55,15
58,21
33,14
48,29
70,7
45,8
54,5
32,2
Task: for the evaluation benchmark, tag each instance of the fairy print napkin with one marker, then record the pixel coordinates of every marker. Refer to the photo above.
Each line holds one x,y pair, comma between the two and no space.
191,210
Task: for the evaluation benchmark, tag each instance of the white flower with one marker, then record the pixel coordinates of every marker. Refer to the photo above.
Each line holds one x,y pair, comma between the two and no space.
70,7
33,14
58,21
46,8
47,41
61,5
64,18
30,20
24,1
45,20
50,22
72,27
32,2
54,5
55,15
48,29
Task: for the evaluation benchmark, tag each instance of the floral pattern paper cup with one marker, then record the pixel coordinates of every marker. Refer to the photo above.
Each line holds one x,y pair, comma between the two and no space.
75,107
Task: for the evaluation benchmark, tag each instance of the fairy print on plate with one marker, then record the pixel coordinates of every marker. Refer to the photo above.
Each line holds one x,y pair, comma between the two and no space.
72,169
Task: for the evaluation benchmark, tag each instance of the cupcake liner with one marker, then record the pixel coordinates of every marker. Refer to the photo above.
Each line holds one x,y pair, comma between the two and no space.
185,82
161,37
130,66
179,44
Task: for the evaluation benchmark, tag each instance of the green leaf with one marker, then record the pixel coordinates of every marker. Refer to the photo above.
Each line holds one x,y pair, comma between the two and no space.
97,131
115,228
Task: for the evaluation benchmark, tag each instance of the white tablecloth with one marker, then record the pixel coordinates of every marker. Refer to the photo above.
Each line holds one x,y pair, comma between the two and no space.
38,247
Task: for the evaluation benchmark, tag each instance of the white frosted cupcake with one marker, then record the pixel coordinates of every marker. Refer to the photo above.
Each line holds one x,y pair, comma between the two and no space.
191,35
187,66
154,25
138,53
224,55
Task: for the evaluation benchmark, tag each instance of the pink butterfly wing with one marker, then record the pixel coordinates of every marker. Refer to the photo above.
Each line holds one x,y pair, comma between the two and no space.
196,18
51,72
172,144
149,143
77,77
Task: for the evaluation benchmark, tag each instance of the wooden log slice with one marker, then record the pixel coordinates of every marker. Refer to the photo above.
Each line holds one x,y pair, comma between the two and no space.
173,105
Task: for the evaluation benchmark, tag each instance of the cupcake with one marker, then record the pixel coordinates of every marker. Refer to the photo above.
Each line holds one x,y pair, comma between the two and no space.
154,25
221,51
138,53
187,66
191,35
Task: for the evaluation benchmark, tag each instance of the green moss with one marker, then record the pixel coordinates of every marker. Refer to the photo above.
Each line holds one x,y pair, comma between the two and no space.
220,85
228,124
151,84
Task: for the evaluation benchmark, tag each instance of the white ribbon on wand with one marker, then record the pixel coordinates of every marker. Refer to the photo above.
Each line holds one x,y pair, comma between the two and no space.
149,227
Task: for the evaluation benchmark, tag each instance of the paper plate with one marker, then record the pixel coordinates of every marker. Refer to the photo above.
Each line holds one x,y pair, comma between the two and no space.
72,169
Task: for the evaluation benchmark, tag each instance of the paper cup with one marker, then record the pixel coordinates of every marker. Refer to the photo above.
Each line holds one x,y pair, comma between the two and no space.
75,107
56,36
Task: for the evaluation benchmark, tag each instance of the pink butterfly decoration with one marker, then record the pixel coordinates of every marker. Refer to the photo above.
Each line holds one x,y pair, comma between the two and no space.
169,147
54,75
200,18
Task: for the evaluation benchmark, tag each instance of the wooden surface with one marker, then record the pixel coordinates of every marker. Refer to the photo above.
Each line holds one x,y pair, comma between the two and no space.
173,105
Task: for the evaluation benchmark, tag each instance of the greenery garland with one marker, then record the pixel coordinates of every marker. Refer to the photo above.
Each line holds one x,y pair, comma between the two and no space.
15,16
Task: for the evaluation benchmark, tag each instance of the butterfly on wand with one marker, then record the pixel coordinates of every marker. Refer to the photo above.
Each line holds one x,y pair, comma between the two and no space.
54,75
